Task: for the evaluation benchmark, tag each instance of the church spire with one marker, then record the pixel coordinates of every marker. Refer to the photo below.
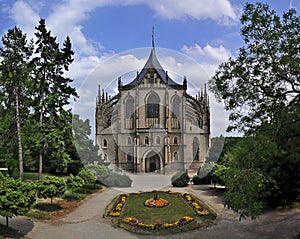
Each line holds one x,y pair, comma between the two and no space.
153,37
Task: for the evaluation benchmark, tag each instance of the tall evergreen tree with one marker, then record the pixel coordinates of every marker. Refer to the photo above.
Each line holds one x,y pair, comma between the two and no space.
15,70
52,90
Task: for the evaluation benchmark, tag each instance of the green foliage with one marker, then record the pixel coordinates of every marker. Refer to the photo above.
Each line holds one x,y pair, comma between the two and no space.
180,179
260,89
87,176
99,171
51,186
87,151
16,197
15,70
116,180
74,182
218,173
264,78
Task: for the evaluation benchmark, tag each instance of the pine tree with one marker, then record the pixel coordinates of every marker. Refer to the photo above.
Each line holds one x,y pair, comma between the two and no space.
15,70
51,88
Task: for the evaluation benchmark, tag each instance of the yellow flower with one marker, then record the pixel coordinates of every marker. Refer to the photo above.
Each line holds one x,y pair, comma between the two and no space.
114,214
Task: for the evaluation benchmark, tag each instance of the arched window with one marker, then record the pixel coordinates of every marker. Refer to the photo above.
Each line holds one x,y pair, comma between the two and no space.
176,107
175,140
196,149
157,140
129,158
175,156
153,106
104,143
129,108
129,141
147,140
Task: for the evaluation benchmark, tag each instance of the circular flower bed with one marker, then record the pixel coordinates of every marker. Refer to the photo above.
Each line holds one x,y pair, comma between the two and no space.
157,202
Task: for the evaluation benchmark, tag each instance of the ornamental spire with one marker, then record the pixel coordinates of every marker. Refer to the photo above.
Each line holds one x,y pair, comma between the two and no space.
153,37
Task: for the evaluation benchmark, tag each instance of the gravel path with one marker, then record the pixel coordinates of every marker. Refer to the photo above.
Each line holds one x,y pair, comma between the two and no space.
87,222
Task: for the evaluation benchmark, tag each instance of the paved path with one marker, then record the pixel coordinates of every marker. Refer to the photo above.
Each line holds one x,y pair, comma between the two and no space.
87,222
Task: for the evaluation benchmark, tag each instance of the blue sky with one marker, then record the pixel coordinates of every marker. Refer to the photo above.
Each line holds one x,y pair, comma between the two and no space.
206,30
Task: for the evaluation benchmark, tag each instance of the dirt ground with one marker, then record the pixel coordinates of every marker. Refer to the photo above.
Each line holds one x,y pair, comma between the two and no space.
86,221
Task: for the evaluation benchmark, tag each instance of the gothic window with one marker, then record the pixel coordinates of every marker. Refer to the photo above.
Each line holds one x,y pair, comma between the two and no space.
129,142
129,158
157,140
152,106
176,107
147,140
175,140
175,156
129,107
104,143
196,149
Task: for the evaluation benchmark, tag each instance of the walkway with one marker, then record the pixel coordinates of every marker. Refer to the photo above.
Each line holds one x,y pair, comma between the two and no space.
87,221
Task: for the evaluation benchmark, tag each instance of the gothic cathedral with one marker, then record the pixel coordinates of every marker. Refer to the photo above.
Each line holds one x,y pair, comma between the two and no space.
153,124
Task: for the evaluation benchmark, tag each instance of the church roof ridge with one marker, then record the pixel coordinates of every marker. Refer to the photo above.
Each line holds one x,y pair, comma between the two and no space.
153,63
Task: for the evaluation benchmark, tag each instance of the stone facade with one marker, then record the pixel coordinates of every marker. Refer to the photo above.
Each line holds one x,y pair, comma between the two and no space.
153,124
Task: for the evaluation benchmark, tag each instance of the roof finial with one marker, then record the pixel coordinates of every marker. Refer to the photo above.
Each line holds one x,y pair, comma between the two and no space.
153,37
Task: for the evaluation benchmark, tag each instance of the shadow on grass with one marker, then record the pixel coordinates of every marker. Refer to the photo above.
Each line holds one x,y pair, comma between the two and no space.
47,207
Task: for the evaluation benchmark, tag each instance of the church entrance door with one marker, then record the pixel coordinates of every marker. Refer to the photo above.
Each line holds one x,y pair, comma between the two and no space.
152,167
152,162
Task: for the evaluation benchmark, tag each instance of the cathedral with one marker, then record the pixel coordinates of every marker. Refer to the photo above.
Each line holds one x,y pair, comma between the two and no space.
152,124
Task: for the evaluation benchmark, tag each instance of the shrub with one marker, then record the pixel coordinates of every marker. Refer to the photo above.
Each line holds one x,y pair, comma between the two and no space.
117,180
74,182
51,186
180,179
87,176
16,197
100,171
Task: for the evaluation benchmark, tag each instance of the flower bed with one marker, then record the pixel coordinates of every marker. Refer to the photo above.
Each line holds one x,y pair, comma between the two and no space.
194,204
156,202
158,226
116,210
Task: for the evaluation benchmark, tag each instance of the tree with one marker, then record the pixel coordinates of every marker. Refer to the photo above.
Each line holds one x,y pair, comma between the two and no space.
74,182
86,149
263,80
16,197
15,70
260,89
87,176
51,186
51,89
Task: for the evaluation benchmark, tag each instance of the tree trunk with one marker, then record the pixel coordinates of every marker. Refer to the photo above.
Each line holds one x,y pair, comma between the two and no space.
42,146
20,149
7,221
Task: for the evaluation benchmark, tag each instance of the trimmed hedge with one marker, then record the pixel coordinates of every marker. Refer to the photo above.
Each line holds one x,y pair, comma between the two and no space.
180,179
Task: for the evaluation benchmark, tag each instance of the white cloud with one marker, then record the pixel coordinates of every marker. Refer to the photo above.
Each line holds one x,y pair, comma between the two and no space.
25,17
221,11
67,16
207,53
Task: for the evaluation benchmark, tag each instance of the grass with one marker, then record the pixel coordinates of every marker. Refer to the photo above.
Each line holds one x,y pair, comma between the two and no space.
44,210
177,208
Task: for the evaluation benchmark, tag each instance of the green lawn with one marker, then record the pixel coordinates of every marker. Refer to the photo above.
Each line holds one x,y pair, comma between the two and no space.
175,210
134,207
